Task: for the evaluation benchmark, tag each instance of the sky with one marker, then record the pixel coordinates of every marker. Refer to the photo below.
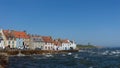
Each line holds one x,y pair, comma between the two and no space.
93,21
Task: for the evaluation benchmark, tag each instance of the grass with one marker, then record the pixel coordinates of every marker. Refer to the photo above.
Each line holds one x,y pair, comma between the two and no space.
79,46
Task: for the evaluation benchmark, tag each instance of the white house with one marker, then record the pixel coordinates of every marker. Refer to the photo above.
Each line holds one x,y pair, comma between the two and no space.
64,45
8,38
72,45
57,45
2,39
13,39
48,43
1,42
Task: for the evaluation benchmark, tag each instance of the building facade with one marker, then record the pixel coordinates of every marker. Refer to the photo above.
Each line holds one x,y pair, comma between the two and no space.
49,45
36,42
1,42
20,39
14,39
64,45
9,39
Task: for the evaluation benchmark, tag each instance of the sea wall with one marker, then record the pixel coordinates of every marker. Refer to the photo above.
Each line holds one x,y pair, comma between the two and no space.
30,52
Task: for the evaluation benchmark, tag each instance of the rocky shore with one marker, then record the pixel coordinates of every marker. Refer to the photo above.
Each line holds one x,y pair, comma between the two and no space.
30,52
3,60
4,54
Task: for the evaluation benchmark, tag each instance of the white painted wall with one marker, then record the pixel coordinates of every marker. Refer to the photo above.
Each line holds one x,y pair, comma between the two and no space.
2,44
66,46
48,46
12,45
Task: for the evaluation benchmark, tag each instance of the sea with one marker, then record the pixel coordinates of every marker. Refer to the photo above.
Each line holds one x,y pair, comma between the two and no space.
85,58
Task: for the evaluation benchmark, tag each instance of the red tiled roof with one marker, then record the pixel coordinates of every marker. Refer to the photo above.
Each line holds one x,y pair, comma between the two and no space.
65,41
57,43
20,34
8,34
47,39
16,34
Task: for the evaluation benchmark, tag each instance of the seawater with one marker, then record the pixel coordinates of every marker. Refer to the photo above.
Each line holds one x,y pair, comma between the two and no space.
88,58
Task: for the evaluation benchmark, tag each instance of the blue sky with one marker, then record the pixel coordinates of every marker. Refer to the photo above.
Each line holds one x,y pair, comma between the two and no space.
94,21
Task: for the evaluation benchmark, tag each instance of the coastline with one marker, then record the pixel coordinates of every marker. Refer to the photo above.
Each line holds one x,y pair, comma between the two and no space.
34,52
3,60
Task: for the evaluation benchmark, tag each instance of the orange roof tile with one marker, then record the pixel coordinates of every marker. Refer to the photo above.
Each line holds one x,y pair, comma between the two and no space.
16,34
20,34
8,34
64,41
57,43
47,39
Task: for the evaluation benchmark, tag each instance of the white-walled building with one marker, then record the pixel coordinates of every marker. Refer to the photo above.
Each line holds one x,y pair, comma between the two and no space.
14,39
73,45
1,42
64,45
57,45
17,39
7,38
48,43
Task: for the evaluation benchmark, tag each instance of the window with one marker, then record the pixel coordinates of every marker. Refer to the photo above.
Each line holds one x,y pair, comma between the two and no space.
34,39
9,42
45,47
12,42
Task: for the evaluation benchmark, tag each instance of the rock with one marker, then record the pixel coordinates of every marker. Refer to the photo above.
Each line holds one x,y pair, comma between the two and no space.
3,60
